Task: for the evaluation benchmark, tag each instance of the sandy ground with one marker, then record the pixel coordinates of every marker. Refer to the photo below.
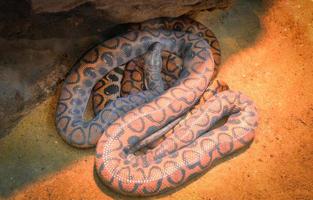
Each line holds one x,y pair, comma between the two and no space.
267,54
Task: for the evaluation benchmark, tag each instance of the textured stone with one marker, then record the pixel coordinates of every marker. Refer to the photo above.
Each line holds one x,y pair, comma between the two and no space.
127,10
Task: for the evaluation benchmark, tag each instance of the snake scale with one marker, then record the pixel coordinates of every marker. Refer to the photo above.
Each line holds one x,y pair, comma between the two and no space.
128,123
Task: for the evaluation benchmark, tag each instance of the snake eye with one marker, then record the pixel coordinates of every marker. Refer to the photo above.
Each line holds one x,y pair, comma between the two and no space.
178,26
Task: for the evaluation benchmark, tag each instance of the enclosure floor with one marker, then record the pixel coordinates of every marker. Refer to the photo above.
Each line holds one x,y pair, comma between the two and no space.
267,54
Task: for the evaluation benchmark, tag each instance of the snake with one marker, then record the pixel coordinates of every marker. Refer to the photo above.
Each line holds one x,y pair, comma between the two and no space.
128,78
193,145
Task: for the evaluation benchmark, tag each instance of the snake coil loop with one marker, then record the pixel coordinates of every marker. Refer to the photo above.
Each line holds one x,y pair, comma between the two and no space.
173,115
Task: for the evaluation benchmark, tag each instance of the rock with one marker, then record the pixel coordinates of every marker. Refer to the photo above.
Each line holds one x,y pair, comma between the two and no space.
42,39
30,71
131,11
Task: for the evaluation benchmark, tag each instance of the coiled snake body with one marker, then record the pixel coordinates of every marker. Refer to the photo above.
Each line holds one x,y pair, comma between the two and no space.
127,122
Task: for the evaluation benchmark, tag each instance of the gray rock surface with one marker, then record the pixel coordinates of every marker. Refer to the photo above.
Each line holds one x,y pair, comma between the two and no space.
128,10
41,39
